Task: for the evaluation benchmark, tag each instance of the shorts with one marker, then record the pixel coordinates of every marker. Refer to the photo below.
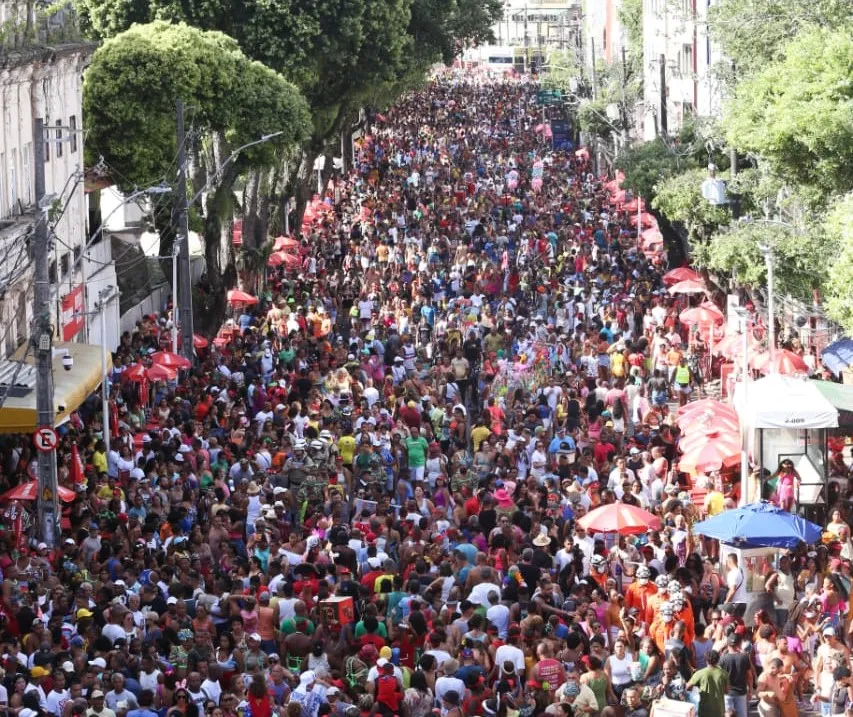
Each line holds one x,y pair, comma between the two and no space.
416,473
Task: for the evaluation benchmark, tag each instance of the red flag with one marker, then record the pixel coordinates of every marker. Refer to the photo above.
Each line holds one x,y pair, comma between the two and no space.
144,392
113,420
76,468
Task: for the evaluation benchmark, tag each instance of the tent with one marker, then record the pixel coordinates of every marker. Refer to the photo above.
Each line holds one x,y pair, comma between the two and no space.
786,417
778,401
760,525
70,388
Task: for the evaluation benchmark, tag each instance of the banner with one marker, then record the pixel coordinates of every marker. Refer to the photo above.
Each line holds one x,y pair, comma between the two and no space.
73,318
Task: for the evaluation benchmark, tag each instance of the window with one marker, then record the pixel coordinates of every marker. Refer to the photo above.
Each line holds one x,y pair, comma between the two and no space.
51,272
58,140
27,188
72,128
46,139
685,60
13,181
64,263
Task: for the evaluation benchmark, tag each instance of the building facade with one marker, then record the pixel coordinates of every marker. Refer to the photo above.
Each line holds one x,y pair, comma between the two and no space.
46,81
678,61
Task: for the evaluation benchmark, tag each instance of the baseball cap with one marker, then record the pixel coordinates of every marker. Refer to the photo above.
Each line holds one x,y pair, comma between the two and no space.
99,662
96,694
172,600
39,671
829,631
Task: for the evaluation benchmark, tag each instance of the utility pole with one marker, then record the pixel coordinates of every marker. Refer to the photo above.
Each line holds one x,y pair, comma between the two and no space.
42,340
592,68
182,235
103,297
663,119
526,44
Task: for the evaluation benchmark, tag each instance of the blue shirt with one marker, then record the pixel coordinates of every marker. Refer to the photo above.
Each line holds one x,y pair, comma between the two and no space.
554,446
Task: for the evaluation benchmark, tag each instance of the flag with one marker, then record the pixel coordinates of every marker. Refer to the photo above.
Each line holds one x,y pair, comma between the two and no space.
76,468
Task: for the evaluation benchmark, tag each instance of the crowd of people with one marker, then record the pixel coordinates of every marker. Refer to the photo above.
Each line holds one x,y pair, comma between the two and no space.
366,500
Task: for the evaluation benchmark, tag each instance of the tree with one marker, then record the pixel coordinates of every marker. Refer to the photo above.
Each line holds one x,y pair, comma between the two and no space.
129,104
680,199
839,286
753,34
796,113
800,265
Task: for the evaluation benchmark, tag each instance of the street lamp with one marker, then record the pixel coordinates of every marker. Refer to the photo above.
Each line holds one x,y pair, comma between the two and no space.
743,315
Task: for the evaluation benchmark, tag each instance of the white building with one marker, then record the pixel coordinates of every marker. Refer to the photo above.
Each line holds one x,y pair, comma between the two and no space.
603,33
47,82
678,61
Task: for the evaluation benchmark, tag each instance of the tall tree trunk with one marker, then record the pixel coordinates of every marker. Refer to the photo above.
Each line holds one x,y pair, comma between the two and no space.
305,185
252,237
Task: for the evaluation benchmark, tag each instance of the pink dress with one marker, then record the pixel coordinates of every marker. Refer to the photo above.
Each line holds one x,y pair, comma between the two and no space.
785,488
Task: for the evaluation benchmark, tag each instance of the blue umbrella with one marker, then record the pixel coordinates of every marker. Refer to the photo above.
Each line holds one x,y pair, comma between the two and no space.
838,355
760,525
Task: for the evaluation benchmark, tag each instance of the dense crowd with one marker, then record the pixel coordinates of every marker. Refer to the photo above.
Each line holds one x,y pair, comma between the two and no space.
364,500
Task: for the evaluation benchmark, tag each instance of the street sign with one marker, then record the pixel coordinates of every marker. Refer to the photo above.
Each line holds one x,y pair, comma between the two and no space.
548,97
45,439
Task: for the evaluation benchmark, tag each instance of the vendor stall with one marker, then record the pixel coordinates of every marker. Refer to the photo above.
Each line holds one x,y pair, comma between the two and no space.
786,418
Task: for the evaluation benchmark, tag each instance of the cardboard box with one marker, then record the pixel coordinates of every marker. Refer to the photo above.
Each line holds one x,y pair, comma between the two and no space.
337,611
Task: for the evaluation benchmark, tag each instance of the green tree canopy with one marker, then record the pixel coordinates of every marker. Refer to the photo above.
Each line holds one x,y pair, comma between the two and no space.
800,264
753,34
680,199
134,79
839,287
796,113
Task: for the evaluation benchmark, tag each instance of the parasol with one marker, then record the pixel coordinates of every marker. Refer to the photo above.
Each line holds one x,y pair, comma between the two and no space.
619,518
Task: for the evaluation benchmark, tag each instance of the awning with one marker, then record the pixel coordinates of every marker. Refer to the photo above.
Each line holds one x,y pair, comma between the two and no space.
839,395
70,388
778,401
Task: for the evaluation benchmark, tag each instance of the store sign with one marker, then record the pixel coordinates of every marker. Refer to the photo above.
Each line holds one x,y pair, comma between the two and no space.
73,317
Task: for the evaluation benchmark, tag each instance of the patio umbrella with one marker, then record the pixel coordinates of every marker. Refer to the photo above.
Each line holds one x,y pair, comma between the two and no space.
634,205
648,220
283,243
137,372
696,439
30,491
291,261
170,360
700,421
760,525
705,314
276,259
199,342
688,286
617,197
235,296
159,372
838,356
784,362
711,456
704,406
682,273
731,345
619,518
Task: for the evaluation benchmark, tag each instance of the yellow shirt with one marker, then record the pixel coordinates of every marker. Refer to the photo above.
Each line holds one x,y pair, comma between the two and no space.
478,435
346,444
99,460
715,502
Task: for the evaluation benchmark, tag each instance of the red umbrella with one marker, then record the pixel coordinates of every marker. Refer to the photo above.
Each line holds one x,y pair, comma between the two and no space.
682,273
784,362
159,372
688,286
704,314
30,491
634,205
731,345
697,439
648,220
284,243
619,518
235,296
170,360
707,421
137,372
711,455
707,404
276,259
617,197
199,342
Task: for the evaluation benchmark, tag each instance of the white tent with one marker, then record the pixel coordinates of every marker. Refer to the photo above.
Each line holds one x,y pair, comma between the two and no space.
778,401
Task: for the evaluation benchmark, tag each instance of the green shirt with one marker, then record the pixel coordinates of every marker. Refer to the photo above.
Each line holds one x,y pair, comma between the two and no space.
288,627
361,630
417,450
712,683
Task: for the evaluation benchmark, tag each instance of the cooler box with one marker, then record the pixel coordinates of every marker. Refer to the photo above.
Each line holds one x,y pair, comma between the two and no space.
337,611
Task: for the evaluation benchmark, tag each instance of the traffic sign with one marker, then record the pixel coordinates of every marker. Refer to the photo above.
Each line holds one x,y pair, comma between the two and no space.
548,97
45,439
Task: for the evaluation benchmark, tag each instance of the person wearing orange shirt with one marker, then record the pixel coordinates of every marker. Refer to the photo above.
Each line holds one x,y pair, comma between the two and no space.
638,592
599,572
662,626
682,610
653,602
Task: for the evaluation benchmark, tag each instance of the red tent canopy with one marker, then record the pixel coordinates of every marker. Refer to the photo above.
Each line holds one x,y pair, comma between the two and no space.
30,491
235,296
170,360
